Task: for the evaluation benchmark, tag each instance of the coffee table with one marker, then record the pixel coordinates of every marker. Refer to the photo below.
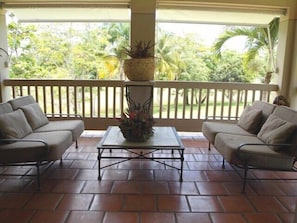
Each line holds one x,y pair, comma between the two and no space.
164,138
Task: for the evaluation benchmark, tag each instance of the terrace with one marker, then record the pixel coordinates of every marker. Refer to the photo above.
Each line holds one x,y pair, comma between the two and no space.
145,191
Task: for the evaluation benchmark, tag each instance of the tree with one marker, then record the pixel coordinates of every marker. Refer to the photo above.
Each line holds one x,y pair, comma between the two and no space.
259,40
230,69
118,38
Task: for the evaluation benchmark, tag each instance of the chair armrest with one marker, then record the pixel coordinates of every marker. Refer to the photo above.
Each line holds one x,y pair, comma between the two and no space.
7,141
245,160
241,147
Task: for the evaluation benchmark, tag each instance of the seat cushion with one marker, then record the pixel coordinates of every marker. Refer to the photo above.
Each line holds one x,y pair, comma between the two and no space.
257,156
58,142
34,115
211,128
76,127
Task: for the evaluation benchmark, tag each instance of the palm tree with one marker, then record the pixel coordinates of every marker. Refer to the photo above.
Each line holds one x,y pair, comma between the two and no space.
259,39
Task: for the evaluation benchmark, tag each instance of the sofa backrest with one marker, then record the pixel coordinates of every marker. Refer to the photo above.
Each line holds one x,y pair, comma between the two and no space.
5,108
21,101
290,115
286,113
265,107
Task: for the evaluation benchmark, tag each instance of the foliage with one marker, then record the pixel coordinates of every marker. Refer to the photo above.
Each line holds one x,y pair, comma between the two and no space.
180,58
94,51
259,40
140,49
136,123
230,69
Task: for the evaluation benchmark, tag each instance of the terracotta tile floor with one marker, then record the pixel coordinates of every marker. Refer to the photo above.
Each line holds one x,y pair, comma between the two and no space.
146,191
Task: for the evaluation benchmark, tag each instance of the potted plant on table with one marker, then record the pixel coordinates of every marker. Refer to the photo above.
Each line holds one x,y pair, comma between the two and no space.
136,124
141,64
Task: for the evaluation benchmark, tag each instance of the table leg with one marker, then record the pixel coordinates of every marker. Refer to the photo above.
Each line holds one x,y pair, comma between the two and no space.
99,164
181,165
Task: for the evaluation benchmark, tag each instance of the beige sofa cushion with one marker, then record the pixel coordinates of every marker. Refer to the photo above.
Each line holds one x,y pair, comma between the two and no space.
58,142
14,125
211,128
250,119
76,127
257,156
21,101
5,108
34,115
276,131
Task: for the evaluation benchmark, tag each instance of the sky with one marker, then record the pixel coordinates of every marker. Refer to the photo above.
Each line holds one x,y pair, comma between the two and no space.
205,32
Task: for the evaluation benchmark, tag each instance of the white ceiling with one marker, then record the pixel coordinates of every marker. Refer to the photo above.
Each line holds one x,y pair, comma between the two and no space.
84,14
217,17
103,14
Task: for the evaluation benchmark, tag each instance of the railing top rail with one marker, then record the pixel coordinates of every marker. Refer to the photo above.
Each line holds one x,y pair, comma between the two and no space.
63,82
121,83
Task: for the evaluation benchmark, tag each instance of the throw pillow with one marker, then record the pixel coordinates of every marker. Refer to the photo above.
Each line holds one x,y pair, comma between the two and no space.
250,119
14,125
276,131
34,115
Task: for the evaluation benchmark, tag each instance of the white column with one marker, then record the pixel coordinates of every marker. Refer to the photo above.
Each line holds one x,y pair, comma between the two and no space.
143,20
141,93
4,58
286,74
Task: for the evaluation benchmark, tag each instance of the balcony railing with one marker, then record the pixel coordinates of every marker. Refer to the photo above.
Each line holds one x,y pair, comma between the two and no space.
181,104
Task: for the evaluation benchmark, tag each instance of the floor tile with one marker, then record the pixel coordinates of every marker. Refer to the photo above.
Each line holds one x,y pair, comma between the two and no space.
46,216
167,175
65,174
288,202
87,174
75,202
227,218
44,201
204,204
85,217
148,217
16,215
231,203
141,175
107,202
139,203
172,203
267,204
69,186
127,187
184,188
211,188
96,186
115,174
262,217
193,218
155,187
14,200
121,217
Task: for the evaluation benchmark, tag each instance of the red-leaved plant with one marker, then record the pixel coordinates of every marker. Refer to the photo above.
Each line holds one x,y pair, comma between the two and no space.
136,124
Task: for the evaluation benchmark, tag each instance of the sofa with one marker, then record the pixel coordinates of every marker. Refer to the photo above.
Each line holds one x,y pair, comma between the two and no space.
28,137
264,137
